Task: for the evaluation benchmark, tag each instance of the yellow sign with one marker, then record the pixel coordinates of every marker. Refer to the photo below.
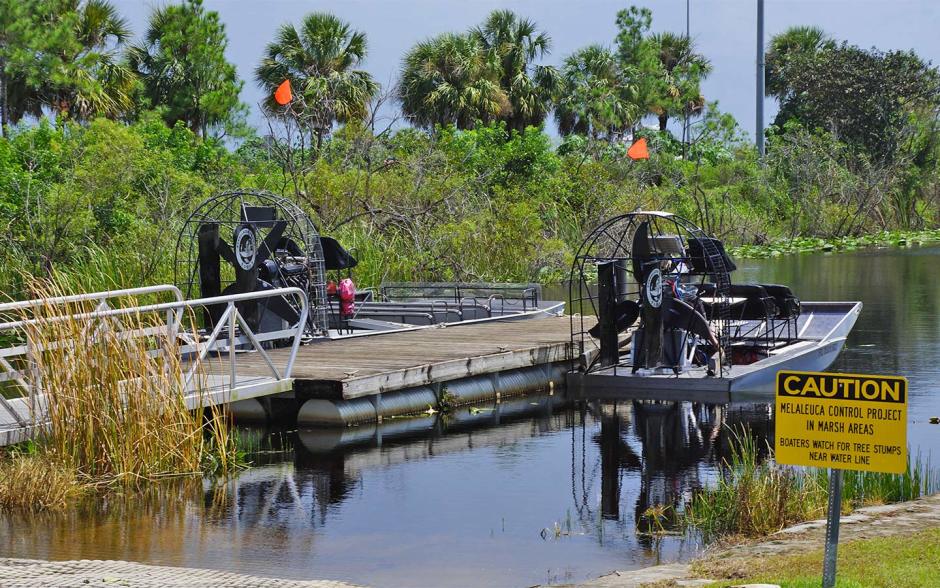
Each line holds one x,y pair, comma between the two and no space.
842,421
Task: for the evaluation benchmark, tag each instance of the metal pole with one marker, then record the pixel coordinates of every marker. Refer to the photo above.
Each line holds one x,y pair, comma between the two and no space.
832,528
606,313
685,121
759,131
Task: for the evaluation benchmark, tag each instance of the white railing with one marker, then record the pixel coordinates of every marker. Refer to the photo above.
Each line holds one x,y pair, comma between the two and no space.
230,335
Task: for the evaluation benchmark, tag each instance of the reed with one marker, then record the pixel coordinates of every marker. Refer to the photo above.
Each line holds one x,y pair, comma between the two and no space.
36,481
115,405
754,497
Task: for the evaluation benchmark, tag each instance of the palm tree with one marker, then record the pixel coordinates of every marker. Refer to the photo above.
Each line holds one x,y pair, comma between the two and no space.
514,44
319,59
449,79
77,65
681,73
91,79
594,97
786,49
181,61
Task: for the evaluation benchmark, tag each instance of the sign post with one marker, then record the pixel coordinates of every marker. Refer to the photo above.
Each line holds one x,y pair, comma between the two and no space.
840,422
832,528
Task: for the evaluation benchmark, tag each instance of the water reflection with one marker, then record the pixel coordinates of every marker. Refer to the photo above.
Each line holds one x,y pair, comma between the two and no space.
672,447
319,510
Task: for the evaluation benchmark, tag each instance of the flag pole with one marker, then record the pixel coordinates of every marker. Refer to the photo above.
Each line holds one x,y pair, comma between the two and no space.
759,130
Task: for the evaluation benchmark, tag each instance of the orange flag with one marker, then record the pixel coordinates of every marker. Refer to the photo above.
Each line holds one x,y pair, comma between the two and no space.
638,150
283,94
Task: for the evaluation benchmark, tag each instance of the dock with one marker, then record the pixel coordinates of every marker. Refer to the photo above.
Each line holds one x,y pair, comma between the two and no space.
413,367
367,365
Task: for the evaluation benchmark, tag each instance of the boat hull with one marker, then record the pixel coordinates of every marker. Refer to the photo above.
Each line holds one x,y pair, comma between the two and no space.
824,330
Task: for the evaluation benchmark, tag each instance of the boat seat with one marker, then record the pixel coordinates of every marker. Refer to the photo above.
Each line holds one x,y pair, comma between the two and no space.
788,305
758,303
699,259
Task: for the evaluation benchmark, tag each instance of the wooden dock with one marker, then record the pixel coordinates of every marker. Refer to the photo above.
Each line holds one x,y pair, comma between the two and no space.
384,362
346,369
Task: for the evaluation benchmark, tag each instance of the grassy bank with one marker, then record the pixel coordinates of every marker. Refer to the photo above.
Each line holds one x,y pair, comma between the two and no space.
116,412
909,560
754,497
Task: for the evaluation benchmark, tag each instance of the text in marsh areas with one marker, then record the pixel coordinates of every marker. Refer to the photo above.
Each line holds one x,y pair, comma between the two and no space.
843,421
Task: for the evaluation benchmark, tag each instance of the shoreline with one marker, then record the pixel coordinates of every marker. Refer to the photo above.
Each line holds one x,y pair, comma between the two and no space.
731,561
880,240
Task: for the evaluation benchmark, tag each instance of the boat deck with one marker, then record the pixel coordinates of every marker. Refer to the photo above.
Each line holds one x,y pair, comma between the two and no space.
823,328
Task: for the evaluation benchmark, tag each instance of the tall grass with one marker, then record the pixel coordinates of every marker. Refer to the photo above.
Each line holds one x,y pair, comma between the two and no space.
754,497
115,405
36,481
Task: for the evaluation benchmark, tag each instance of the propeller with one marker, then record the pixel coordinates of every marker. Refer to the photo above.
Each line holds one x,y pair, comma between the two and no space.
246,257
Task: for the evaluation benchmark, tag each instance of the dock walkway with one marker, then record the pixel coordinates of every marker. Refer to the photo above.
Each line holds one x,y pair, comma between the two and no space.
384,362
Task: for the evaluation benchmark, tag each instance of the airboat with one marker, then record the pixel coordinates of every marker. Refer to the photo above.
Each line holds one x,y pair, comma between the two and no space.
655,314
247,241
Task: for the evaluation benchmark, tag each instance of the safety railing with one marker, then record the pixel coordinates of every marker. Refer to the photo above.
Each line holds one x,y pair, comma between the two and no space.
526,295
231,334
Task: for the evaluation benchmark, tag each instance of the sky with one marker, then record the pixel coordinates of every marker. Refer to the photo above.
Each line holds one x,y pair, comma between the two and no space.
724,31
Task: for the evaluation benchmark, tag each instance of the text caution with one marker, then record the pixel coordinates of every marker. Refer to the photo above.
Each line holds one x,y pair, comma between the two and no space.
842,421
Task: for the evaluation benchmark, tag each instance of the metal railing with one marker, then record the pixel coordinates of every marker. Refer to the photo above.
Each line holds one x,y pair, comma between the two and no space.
527,295
230,335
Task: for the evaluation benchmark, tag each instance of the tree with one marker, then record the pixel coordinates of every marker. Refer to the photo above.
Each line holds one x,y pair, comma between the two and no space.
514,43
680,74
63,55
594,96
864,98
638,56
320,60
90,80
183,67
668,71
789,47
450,80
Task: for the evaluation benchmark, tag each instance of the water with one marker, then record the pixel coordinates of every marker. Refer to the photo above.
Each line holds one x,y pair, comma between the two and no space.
537,492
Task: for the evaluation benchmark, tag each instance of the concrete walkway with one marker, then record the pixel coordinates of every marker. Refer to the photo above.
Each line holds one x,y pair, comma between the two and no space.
874,521
30,573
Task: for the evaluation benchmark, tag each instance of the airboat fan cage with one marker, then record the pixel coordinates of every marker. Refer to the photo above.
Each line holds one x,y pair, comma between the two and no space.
245,240
629,260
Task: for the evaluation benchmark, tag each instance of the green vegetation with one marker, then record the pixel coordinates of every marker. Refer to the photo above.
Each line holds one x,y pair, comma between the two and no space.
846,243
117,416
913,561
754,496
110,142
182,68
318,60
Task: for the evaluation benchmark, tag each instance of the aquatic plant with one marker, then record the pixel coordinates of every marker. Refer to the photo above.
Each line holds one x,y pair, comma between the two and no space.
35,481
115,407
895,238
754,497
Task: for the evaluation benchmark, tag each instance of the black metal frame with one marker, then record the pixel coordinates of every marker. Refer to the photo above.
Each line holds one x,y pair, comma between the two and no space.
612,241
225,209
528,295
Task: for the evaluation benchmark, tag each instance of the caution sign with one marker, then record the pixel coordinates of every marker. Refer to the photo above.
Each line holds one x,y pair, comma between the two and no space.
842,421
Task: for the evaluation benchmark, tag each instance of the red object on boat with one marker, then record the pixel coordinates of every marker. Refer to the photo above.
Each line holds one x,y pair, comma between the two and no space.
347,298
331,288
